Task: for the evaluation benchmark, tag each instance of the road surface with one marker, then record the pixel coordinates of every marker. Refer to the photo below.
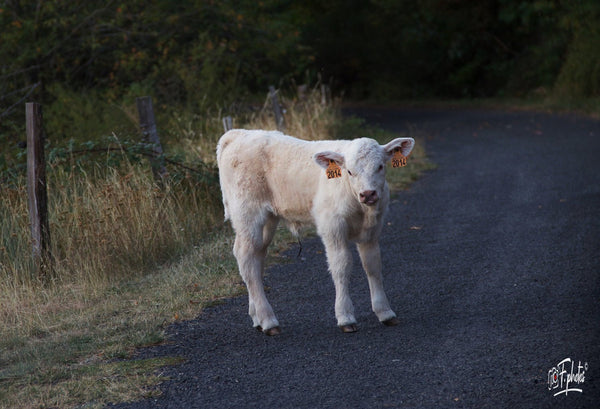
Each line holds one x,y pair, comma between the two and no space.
492,263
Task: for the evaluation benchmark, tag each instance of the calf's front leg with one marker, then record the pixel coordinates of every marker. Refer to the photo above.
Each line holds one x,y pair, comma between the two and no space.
370,257
339,260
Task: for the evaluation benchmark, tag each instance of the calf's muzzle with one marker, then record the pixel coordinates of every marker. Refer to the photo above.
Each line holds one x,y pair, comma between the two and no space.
369,197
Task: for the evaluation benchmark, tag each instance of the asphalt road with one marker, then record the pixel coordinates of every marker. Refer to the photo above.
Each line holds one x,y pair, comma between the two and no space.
492,263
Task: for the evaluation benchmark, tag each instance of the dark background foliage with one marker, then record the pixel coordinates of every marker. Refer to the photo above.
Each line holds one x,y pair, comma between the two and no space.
456,48
198,53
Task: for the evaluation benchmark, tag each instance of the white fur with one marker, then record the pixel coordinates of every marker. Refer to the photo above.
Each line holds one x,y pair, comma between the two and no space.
267,176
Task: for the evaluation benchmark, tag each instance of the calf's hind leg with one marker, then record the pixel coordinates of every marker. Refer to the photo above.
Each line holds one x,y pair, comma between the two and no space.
250,249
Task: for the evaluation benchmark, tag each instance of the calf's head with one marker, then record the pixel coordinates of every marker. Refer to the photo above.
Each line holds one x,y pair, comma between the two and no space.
363,164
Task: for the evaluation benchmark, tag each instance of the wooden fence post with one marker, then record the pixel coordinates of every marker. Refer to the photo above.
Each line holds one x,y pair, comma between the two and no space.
150,135
36,189
279,120
227,123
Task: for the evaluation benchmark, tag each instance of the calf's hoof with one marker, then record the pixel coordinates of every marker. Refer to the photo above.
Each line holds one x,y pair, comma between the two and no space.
270,332
392,322
349,328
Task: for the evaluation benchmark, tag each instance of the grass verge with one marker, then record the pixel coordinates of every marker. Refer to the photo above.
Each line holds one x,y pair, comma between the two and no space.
130,259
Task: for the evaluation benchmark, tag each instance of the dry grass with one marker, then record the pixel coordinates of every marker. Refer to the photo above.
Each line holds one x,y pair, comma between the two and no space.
104,227
308,117
57,338
109,230
129,258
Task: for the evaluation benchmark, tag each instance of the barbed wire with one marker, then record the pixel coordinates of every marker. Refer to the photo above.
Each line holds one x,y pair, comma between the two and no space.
64,154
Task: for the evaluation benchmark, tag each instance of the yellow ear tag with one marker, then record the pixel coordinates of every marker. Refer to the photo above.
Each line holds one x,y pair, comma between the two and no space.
398,160
333,170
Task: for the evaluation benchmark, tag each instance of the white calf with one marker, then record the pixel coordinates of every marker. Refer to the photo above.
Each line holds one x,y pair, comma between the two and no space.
338,186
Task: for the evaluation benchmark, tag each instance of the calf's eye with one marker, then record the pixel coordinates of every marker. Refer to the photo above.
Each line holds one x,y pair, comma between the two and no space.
350,173
379,168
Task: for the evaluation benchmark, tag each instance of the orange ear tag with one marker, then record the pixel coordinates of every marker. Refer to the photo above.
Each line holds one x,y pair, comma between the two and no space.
333,170
398,160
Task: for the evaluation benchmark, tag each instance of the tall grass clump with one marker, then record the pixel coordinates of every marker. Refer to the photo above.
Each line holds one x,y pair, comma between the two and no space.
117,223
106,224
310,115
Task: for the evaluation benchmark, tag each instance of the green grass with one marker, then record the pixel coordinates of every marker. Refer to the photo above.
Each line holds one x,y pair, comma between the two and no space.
130,259
90,382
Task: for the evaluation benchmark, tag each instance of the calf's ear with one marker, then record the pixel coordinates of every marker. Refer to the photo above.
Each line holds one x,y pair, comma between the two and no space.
323,158
404,144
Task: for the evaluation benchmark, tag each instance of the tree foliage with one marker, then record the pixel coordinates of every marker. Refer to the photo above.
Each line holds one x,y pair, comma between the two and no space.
177,51
453,48
113,43
197,52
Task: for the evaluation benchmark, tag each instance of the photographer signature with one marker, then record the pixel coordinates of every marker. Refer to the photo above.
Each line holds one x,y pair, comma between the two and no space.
564,374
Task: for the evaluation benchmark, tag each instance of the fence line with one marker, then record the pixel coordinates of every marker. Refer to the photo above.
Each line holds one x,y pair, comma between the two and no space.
36,168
